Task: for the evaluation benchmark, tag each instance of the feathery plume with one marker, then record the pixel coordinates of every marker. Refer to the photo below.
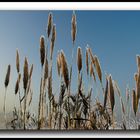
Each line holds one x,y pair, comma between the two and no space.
64,69
74,28
7,78
17,61
98,68
25,74
42,50
79,59
50,22
111,93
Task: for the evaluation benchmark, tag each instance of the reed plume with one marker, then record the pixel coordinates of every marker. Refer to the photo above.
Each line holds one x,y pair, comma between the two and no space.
138,63
53,41
7,78
74,27
59,63
137,80
79,59
25,74
50,22
46,71
64,69
17,61
42,50
98,68
134,101
92,71
111,93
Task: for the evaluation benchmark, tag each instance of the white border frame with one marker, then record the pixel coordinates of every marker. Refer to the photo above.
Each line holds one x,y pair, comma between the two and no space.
69,6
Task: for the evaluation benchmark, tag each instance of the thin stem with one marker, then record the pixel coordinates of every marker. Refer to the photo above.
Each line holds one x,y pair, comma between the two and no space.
40,102
50,124
136,121
69,88
25,110
113,120
60,119
4,108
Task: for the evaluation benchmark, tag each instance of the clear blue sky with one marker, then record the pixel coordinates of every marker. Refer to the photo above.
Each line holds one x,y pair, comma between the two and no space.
114,37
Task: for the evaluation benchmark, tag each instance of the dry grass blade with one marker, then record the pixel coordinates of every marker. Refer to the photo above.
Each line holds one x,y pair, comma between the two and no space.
92,71
122,105
25,74
64,69
111,93
79,59
106,93
42,50
134,101
7,78
17,61
50,22
74,28
91,55
87,63
31,71
98,68
118,89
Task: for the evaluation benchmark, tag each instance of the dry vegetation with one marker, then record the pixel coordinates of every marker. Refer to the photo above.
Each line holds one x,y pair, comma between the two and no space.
69,111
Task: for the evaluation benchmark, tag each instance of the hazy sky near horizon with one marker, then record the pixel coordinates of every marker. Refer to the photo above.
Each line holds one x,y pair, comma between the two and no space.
114,37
